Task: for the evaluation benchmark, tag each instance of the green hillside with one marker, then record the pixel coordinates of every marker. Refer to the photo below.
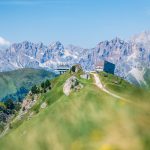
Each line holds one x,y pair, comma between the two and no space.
17,83
88,119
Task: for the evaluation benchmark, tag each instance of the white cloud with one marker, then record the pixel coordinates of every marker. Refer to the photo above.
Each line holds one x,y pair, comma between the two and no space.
4,43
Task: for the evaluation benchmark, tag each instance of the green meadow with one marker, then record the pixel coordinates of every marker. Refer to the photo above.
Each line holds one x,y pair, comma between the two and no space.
88,119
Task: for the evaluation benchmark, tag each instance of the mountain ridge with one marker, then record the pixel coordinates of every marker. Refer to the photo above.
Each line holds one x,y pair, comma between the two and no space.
128,56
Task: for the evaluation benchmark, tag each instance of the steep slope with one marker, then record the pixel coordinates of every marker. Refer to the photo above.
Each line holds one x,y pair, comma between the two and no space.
138,74
16,84
87,119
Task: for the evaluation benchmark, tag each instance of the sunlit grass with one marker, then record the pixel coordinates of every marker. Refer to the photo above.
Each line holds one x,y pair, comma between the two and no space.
86,120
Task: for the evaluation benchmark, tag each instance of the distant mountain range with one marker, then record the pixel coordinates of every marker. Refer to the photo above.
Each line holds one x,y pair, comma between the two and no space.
132,58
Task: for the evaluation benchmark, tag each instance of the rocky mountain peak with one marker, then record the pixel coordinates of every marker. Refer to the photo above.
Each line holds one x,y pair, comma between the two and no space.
125,55
56,46
143,37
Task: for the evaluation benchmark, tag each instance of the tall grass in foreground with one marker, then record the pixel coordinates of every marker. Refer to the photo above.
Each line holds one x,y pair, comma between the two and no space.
86,120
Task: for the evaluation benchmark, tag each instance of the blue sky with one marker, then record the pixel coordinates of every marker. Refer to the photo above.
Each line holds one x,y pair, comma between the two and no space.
79,22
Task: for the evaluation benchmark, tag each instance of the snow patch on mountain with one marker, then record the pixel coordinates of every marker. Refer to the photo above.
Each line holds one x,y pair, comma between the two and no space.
129,57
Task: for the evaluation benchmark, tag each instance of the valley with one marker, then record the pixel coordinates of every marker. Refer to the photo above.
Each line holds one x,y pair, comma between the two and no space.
16,84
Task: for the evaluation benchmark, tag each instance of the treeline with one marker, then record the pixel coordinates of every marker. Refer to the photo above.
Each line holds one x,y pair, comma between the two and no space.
45,86
7,109
10,107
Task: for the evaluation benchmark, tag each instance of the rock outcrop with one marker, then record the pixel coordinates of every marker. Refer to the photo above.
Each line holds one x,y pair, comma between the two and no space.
71,84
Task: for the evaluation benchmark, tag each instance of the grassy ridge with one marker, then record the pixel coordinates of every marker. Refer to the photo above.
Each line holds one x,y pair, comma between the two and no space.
123,88
86,120
20,81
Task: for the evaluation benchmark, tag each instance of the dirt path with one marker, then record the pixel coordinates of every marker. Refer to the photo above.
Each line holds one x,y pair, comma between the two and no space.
100,85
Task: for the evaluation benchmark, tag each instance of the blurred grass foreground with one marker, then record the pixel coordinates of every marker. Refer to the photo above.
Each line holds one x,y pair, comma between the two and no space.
87,119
